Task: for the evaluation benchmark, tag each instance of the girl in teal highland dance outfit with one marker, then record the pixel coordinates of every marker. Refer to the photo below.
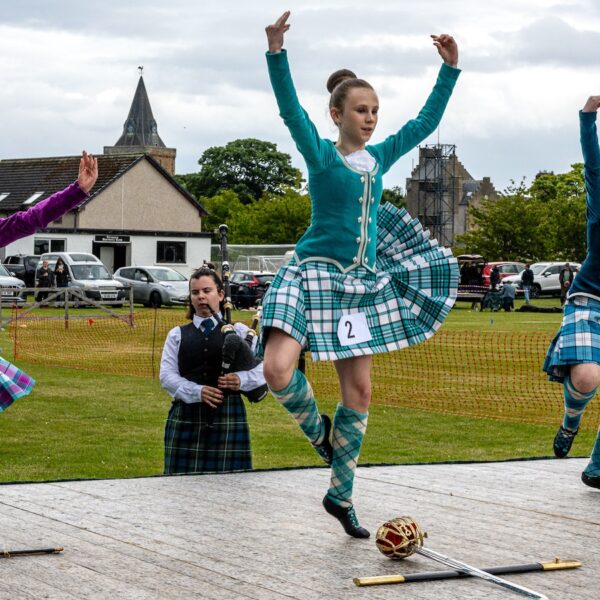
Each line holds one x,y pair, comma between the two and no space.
365,278
574,355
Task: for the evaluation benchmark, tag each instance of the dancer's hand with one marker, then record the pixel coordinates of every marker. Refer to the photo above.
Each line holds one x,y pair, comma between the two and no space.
276,31
211,396
447,48
592,105
88,172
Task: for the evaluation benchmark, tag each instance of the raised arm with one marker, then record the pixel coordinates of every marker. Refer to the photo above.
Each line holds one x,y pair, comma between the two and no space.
315,151
24,223
416,130
591,155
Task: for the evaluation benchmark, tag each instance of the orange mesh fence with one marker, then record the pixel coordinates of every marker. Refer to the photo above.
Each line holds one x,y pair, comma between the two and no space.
490,374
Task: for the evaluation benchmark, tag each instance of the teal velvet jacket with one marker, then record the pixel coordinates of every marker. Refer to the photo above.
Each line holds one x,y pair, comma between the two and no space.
343,229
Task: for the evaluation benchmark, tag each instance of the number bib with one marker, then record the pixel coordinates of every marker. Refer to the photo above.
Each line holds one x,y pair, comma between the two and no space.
353,329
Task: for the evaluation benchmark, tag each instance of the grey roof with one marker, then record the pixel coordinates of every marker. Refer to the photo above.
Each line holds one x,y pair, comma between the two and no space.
140,128
21,178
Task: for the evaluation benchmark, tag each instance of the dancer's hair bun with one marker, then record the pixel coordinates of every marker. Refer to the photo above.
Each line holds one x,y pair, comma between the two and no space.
336,78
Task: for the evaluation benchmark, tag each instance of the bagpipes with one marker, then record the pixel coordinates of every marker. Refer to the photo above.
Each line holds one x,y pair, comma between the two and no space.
237,354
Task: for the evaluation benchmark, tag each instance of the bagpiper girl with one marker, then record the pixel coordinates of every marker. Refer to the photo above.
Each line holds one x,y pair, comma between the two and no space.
364,279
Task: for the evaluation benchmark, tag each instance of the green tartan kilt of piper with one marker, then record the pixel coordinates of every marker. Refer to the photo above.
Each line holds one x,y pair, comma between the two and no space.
192,447
402,303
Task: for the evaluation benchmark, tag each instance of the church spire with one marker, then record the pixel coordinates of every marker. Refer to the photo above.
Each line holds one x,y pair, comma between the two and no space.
140,133
140,128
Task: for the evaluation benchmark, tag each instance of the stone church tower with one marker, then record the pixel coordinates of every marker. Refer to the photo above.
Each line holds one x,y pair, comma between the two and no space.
140,133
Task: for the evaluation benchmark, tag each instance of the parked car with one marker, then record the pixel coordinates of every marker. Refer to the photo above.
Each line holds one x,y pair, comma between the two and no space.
9,281
506,268
248,287
546,278
23,266
155,286
88,274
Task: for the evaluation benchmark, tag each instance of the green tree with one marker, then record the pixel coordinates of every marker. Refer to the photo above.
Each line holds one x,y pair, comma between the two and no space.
248,167
564,222
507,228
271,220
221,209
394,195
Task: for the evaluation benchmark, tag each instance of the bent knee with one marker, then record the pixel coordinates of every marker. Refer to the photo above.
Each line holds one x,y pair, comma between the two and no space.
585,378
278,373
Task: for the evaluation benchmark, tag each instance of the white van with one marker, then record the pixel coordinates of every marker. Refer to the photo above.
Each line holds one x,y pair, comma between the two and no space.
88,273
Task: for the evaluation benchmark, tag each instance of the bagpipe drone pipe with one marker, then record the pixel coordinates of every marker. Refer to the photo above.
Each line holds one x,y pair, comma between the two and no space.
237,353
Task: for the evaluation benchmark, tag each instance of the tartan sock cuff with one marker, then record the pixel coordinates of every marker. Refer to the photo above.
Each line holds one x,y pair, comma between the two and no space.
575,403
298,399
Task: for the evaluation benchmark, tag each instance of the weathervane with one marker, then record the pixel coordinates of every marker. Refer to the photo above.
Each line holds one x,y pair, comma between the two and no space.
141,69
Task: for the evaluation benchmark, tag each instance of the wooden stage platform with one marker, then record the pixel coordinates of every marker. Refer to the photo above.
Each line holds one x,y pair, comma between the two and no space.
264,535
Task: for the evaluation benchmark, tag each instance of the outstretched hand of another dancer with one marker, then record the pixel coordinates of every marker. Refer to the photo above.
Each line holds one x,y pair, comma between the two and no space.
276,32
592,104
88,172
447,48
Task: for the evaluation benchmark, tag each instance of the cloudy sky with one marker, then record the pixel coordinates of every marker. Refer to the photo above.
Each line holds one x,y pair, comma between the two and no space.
68,71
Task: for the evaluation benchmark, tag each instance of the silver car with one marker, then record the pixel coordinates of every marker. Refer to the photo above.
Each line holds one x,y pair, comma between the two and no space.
155,286
8,292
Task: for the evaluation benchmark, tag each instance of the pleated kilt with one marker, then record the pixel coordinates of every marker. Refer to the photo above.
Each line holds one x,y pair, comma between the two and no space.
578,339
192,447
14,384
405,300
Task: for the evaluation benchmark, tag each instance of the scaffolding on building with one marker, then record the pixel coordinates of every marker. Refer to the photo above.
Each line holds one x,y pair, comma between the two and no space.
436,199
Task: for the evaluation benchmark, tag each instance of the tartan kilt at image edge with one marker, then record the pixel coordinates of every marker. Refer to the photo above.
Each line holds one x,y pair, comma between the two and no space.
405,301
14,384
191,447
577,341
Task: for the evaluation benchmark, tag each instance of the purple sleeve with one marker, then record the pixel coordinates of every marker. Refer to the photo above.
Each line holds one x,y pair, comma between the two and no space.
26,222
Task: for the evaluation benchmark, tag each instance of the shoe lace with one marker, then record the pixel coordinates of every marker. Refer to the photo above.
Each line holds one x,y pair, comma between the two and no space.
353,518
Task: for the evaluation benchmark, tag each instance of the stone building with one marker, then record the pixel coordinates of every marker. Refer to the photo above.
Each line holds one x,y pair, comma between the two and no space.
440,192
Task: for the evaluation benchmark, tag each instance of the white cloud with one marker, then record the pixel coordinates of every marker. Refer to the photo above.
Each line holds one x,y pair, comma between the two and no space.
68,73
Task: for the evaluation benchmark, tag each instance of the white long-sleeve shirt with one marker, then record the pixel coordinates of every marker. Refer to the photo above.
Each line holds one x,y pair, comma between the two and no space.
180,388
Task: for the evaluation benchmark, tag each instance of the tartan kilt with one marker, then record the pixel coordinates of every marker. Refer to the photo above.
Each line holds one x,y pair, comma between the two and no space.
14,384
578,339
192,447
405,301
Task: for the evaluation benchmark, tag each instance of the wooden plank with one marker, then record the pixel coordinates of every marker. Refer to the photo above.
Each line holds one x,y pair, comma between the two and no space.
265,534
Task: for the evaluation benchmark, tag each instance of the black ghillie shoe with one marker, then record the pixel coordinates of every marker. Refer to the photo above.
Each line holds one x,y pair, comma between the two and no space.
347,517
324,449
591,480
563,440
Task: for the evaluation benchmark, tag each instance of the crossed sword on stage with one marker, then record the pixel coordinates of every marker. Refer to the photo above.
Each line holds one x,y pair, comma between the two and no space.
403,536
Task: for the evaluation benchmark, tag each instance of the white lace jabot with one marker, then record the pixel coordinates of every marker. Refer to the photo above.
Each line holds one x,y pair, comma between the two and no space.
360,160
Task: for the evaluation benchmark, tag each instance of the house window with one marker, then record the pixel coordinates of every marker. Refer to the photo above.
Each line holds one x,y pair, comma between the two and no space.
43,245
33,198
170,252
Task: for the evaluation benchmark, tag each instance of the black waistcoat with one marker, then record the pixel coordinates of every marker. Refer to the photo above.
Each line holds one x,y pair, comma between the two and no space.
200,356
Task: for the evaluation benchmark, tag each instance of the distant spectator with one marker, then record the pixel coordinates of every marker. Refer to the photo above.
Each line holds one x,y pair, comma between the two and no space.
566,279
508,296
527,282
61,274
45,279
494,277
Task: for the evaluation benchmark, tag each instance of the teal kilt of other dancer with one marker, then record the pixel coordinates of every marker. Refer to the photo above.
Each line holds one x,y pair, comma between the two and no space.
405,301
14,384
577,341
192,447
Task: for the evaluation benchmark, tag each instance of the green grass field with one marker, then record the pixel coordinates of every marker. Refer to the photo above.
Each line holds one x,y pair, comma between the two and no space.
86,424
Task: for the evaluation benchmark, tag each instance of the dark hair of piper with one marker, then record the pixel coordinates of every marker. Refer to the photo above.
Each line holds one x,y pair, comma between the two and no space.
204,271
